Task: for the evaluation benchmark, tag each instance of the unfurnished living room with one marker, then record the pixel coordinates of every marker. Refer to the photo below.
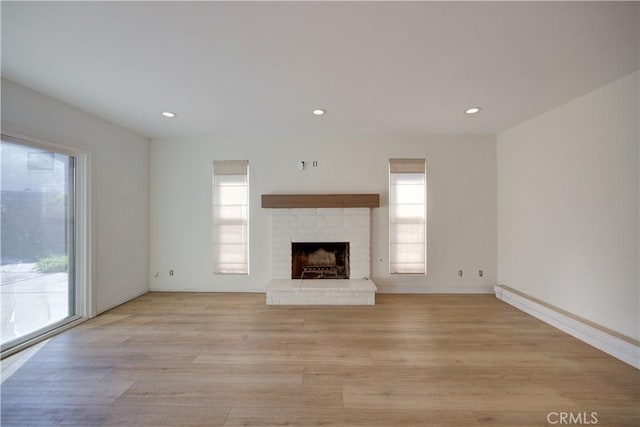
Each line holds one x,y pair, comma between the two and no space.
320,213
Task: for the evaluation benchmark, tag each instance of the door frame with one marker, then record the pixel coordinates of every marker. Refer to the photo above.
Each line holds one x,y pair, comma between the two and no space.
83,241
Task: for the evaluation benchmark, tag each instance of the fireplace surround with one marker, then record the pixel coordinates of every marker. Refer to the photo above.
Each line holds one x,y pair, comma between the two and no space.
350,225
321,227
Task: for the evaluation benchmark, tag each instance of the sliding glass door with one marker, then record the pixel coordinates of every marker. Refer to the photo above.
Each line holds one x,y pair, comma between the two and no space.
37,231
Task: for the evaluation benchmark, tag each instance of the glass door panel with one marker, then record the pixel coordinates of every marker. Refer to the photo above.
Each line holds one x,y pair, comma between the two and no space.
37,291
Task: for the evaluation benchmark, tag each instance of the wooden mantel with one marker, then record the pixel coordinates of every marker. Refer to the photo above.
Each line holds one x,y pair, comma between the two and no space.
288,201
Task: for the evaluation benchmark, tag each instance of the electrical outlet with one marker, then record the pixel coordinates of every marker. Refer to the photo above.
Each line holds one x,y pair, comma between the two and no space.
170,272
480,273
460,273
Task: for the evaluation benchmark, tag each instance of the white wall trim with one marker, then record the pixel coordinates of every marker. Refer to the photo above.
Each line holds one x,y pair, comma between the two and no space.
432,289
207,289
617,347
131,298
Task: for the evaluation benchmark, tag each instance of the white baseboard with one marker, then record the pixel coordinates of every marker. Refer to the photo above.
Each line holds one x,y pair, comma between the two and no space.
204,290
617,347
112,306
434,289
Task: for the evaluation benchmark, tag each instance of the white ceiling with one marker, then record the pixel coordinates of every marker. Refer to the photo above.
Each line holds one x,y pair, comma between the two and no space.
259,68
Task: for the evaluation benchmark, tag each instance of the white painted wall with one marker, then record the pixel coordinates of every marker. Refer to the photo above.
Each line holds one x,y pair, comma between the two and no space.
461,174
568,207
120,185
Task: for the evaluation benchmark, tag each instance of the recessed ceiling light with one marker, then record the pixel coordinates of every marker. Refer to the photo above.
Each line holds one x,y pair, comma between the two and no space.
168,114
473,110
319,112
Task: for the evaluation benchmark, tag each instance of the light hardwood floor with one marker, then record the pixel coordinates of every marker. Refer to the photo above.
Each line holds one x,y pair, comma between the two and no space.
228,360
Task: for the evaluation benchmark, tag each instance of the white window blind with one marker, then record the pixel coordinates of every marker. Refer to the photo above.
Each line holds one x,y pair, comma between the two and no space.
407,216
231,217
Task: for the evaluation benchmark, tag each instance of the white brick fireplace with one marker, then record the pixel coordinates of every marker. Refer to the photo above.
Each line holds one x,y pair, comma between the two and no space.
321,225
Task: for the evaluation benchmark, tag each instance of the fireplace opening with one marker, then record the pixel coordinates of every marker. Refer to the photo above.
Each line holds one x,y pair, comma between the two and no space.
323,260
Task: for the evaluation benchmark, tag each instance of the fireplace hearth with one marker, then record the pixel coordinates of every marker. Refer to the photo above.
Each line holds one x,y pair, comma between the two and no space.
320,260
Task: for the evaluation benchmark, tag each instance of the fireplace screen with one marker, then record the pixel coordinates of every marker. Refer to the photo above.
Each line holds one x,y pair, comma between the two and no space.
326,260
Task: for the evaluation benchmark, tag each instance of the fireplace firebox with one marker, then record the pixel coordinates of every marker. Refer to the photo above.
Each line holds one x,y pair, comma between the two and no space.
320,260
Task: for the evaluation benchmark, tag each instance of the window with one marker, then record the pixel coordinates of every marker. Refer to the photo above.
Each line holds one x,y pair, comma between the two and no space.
231,217
407,216
42,231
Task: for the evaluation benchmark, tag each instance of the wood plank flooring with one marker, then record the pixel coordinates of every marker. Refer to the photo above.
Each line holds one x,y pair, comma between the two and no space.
180,359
